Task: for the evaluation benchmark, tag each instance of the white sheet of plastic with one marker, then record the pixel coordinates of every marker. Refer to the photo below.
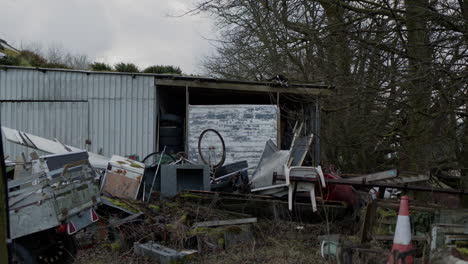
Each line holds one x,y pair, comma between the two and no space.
50,146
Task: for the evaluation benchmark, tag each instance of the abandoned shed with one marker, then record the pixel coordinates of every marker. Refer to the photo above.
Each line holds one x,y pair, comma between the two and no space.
136,114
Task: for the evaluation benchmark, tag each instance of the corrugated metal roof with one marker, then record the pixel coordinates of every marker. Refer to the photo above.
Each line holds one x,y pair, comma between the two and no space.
183,78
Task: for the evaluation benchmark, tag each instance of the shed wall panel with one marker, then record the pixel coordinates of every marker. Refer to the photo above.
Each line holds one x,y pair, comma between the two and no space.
244,128
64,121
122,112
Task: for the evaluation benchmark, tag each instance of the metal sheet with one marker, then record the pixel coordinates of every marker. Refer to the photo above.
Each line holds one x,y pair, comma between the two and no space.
21,224
299,149
273,160
48,146
244,128
64,121
121,108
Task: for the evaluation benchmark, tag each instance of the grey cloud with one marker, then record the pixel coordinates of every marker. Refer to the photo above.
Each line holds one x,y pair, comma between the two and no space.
112,31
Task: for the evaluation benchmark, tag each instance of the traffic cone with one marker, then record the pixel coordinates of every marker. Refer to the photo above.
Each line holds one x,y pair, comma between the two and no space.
402,238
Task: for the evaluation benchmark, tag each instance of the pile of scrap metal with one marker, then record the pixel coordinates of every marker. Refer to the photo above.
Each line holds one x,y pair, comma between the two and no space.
279,173
126,178
275,175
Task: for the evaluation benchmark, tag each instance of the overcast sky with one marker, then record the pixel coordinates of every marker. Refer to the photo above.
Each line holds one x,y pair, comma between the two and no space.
140,31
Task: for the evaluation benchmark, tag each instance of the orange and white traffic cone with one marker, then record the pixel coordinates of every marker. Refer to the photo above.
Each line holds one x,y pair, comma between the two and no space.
402,238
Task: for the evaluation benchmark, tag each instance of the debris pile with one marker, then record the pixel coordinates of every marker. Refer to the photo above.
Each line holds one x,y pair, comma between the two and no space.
170,209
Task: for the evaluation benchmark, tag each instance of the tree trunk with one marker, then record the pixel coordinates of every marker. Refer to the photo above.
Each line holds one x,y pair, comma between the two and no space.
416,151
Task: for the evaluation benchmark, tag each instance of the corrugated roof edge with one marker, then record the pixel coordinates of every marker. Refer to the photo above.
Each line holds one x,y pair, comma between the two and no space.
174,77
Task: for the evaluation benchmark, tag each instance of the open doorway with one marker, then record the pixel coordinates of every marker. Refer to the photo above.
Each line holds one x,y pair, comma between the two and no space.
171,121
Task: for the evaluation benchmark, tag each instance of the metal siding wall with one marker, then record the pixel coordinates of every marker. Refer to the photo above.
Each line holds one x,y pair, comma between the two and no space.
121,118
31,84
244,128
64,121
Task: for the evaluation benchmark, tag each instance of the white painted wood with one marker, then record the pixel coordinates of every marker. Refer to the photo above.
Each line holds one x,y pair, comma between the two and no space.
244,128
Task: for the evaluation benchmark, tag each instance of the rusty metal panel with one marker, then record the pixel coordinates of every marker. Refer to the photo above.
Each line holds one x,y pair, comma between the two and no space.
244,128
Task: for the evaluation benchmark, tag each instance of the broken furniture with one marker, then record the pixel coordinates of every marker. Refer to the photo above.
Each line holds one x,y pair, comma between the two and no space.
293,186
123,177
275,161
179,177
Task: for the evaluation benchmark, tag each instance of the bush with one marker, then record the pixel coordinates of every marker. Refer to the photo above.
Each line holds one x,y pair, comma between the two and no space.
163,69
9,60
56,65
100,66
126,67
33,59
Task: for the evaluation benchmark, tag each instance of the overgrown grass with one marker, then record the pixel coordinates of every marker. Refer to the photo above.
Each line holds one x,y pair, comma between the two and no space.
275,241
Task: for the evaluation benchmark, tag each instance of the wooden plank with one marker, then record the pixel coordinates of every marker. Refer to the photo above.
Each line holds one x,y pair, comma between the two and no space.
242,87
411,207
377,176
406,179
377,184
128,219
278,123
267,206
20,166
186,121
226,222
369,220
390,238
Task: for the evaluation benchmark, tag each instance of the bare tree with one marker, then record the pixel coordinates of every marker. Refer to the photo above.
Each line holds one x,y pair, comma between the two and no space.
399,67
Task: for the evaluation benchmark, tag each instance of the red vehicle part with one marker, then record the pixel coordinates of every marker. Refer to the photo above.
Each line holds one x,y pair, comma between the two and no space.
342,193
